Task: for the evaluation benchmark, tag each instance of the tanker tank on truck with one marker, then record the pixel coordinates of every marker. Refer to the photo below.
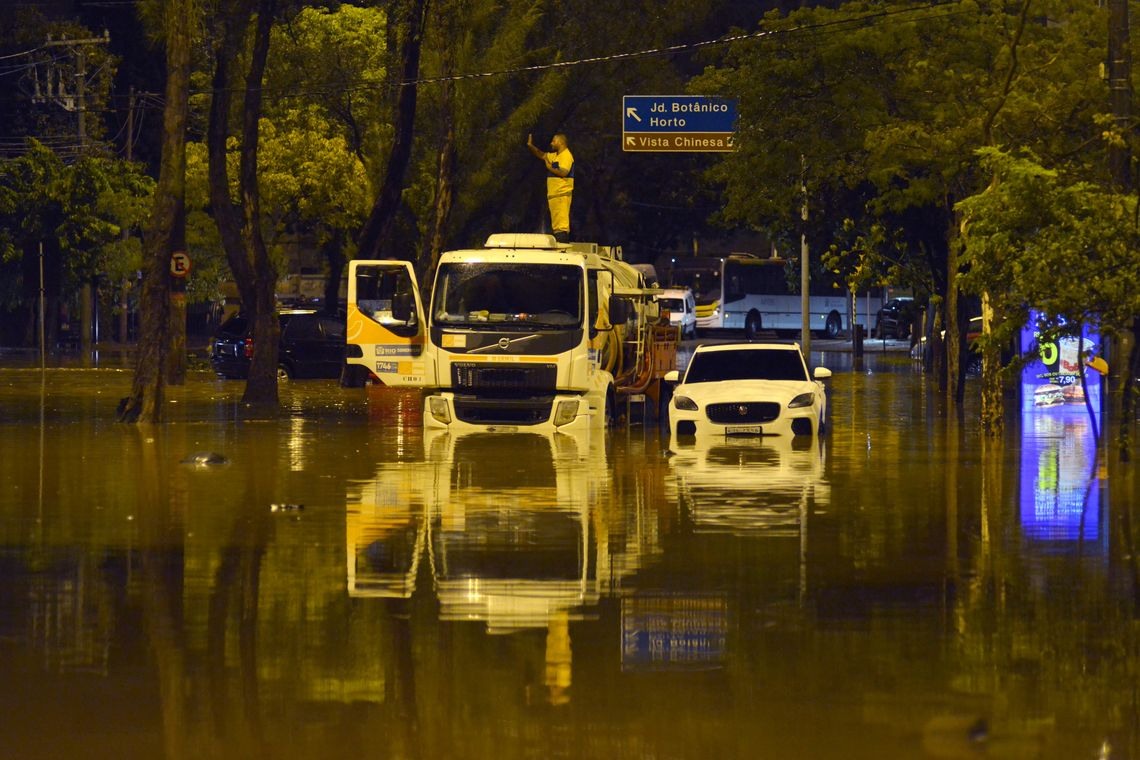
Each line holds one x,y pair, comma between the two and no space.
523,333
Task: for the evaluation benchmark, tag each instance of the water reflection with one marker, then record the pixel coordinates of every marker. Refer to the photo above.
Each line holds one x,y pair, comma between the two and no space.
501,519
511,540
1060,495
902,587
761,486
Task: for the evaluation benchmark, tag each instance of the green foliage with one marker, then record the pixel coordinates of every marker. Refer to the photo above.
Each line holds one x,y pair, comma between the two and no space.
889,105
331,66
323,139
1035,239
91,210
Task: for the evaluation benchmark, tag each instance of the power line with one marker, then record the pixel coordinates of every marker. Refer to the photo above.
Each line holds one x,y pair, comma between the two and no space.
835,26
17,55
690,46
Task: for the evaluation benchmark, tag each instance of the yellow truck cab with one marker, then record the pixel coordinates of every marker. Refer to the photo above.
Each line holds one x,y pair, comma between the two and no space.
523,333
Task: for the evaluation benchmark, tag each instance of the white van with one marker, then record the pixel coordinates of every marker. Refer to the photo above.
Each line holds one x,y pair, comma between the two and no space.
682,310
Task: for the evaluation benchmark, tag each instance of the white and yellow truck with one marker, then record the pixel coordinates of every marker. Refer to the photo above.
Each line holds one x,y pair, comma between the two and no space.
524,333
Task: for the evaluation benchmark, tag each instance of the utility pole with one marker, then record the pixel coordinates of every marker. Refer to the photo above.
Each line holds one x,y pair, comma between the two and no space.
79,105
1120,164
1120,91
805,277
78,102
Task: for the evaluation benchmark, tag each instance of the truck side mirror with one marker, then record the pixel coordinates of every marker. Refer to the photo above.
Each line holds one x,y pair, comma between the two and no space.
402,306
619,310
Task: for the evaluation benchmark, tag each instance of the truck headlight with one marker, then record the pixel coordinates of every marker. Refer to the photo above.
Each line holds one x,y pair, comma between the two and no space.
437,406
804,399
684,403
566,412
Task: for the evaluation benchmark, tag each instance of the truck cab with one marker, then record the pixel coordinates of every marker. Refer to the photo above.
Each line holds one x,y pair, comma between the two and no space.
524,333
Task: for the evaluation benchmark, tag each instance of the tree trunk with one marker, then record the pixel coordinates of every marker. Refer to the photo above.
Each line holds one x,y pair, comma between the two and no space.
239,226
86,323
167,224
377,230
333,250
993,397
953,344
176,353
1120,163
1125,379
444,192
227,215
261,385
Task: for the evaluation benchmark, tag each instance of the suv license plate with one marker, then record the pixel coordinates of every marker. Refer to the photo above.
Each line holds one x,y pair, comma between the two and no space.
744,430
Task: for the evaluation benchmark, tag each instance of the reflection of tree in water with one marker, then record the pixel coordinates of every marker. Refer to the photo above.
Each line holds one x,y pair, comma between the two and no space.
235,728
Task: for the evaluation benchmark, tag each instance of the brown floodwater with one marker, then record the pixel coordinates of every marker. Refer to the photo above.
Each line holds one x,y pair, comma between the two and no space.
336,583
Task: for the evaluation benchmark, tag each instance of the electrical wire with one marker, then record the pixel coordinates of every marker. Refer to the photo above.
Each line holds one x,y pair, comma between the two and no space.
19,55
836,25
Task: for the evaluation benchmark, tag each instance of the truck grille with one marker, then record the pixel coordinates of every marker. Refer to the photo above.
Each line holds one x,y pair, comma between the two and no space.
743,412
491,410
499,378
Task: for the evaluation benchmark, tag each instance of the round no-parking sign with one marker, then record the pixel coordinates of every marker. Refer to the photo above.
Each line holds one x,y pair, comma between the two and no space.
179,264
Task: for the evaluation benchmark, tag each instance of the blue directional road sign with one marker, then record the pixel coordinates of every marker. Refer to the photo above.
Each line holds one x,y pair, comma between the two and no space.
677,123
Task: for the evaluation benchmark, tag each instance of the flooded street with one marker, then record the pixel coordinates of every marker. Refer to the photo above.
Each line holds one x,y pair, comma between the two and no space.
337,583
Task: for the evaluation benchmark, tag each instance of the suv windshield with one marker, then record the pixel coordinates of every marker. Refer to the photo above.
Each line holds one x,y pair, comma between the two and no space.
748,364
533,294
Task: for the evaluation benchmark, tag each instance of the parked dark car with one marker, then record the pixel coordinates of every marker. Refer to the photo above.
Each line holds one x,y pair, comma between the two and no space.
895,319
312,345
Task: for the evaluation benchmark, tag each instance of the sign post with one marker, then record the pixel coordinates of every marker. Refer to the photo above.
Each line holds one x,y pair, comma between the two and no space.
677,124
176,358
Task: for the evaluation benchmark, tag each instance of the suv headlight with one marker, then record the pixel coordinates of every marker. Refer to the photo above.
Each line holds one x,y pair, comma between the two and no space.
804,399
684,403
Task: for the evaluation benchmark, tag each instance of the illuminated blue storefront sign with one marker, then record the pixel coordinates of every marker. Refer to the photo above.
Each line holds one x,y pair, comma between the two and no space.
1052,380
1060,494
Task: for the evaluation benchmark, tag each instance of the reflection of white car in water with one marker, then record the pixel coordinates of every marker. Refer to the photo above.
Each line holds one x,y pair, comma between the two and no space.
750,485
748,389
682,309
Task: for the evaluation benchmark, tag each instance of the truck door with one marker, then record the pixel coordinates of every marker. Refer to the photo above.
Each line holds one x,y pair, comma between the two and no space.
386,329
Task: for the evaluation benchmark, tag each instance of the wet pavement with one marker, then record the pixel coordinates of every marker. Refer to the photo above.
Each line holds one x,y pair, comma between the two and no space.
336,583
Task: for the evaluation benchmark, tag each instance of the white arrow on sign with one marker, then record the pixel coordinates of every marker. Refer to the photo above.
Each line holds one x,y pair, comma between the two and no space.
631,112
629,141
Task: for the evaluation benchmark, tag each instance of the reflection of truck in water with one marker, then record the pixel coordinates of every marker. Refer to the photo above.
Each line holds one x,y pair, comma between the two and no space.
513,557
501,520
524,332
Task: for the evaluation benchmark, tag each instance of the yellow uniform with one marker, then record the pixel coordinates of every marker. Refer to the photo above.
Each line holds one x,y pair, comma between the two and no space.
559,190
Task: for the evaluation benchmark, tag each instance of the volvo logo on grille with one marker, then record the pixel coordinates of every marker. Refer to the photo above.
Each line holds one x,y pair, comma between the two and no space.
742,410
504,343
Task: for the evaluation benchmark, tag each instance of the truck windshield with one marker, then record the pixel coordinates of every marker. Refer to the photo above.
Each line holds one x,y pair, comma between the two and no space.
532,294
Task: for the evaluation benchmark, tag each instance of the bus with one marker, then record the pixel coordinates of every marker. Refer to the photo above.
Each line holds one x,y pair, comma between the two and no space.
741,291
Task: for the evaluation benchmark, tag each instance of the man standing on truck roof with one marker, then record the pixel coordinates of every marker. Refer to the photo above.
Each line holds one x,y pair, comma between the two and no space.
559,183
